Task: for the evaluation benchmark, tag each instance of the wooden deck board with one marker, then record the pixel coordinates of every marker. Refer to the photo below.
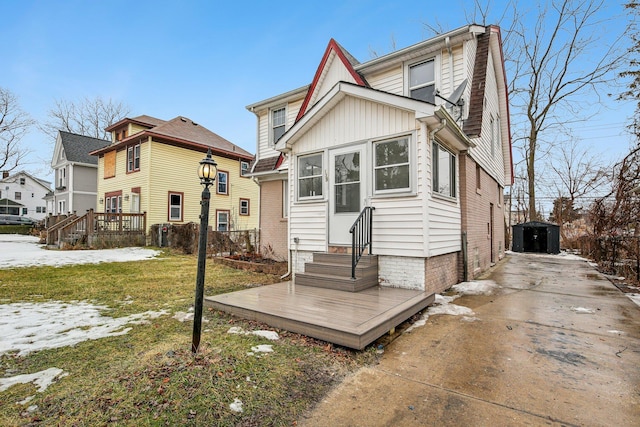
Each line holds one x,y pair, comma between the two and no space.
352,319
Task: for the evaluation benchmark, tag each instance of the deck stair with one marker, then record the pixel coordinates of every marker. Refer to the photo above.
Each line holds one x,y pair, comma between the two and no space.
333,271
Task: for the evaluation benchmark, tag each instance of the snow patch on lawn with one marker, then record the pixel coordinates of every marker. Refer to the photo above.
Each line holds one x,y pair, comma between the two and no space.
236,405
42,380
270,335
24,251
28,327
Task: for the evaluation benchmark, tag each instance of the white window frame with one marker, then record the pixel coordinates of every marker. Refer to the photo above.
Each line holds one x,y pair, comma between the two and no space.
409,164
245,207
436,76
62,206
319,175
272,125
435,171
219,181
170,215
244,170
133,158
227,222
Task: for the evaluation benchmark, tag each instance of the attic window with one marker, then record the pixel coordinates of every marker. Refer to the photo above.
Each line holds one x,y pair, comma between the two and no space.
422,81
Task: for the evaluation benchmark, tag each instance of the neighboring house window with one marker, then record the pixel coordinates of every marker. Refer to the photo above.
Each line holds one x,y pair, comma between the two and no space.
22,181
110,164
244,168
278,119
40,209
391,167
444,171
25,211
133,158
310,176
62,178
18,195
285,199
222,220
62,206
244,206
223,182
175,206
422,81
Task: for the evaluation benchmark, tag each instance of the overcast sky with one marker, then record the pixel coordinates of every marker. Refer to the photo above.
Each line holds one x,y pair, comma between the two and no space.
207,60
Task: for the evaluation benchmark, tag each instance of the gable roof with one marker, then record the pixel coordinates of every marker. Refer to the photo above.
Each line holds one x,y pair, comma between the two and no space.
77,147
43,183
348,61
184,132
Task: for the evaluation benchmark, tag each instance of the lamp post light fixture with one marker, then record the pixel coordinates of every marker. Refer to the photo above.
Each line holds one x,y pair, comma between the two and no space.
207,173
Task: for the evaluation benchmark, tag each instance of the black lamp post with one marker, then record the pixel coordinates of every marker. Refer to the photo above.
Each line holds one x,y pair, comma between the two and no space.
207,172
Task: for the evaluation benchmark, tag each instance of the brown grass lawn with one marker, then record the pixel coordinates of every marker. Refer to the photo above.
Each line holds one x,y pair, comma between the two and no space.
149,376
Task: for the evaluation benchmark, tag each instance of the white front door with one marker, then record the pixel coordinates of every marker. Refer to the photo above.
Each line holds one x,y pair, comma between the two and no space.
135,208
346,191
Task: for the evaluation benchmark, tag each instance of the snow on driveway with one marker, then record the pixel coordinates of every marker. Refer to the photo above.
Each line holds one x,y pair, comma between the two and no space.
24,251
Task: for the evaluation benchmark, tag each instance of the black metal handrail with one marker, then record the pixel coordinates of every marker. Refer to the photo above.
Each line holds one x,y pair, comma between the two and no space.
361,234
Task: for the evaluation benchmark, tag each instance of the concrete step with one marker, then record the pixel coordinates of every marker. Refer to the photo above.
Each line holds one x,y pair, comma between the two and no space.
330,281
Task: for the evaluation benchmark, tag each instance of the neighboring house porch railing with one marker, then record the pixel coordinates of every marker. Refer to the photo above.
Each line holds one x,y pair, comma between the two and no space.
361,233
99,229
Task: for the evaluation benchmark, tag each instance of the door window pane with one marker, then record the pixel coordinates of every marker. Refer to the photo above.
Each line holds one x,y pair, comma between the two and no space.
347,182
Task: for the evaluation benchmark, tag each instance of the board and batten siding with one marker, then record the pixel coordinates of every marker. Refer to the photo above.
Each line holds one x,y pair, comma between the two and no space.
355,120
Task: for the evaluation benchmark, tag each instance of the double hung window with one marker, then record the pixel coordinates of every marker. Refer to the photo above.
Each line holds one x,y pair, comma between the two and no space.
422,81
391,167
133,158
444,171
175,206
278,120
223,182
310,176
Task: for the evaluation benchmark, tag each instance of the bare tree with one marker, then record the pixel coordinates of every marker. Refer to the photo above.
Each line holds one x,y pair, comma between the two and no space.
633,72
577,170
87,117
556,60
14,124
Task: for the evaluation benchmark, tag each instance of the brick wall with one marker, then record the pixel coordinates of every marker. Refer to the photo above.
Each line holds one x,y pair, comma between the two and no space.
476,202
441,272
273,228
401,272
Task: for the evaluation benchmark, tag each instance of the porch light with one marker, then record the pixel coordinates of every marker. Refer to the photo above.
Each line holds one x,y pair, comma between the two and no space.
208,170
207,173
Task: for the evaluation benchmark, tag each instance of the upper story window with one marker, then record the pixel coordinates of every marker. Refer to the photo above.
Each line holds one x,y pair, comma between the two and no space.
391,167
22,181
62,177
133,158
110,164
444,171
223,183
244,168
18,195
310,176
278,120
422,81
244,207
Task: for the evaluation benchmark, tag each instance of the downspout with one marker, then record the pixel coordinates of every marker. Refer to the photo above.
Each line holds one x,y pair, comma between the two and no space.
447,43
432,134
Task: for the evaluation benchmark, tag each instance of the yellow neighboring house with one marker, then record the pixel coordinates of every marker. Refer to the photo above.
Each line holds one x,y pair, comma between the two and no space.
151,166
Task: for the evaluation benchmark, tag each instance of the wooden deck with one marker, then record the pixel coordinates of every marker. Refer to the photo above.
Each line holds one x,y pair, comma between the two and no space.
350,319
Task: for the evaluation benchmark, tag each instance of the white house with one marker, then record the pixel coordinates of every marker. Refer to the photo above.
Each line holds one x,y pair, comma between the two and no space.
23,194
421,135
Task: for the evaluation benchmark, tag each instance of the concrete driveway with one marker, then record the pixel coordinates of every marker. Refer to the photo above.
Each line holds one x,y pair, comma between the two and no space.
557,344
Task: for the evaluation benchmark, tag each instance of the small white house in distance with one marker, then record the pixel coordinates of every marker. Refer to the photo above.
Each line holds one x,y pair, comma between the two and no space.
419,137
23,194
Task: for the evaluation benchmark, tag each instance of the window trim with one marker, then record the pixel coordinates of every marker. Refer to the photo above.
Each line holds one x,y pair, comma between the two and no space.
169,205
132,157
453,173
245,174
226,192
272,140
407,75
321,175
248,207
410,162
218,212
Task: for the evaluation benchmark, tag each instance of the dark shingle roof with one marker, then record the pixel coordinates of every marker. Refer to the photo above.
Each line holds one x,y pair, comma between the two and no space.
77,147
